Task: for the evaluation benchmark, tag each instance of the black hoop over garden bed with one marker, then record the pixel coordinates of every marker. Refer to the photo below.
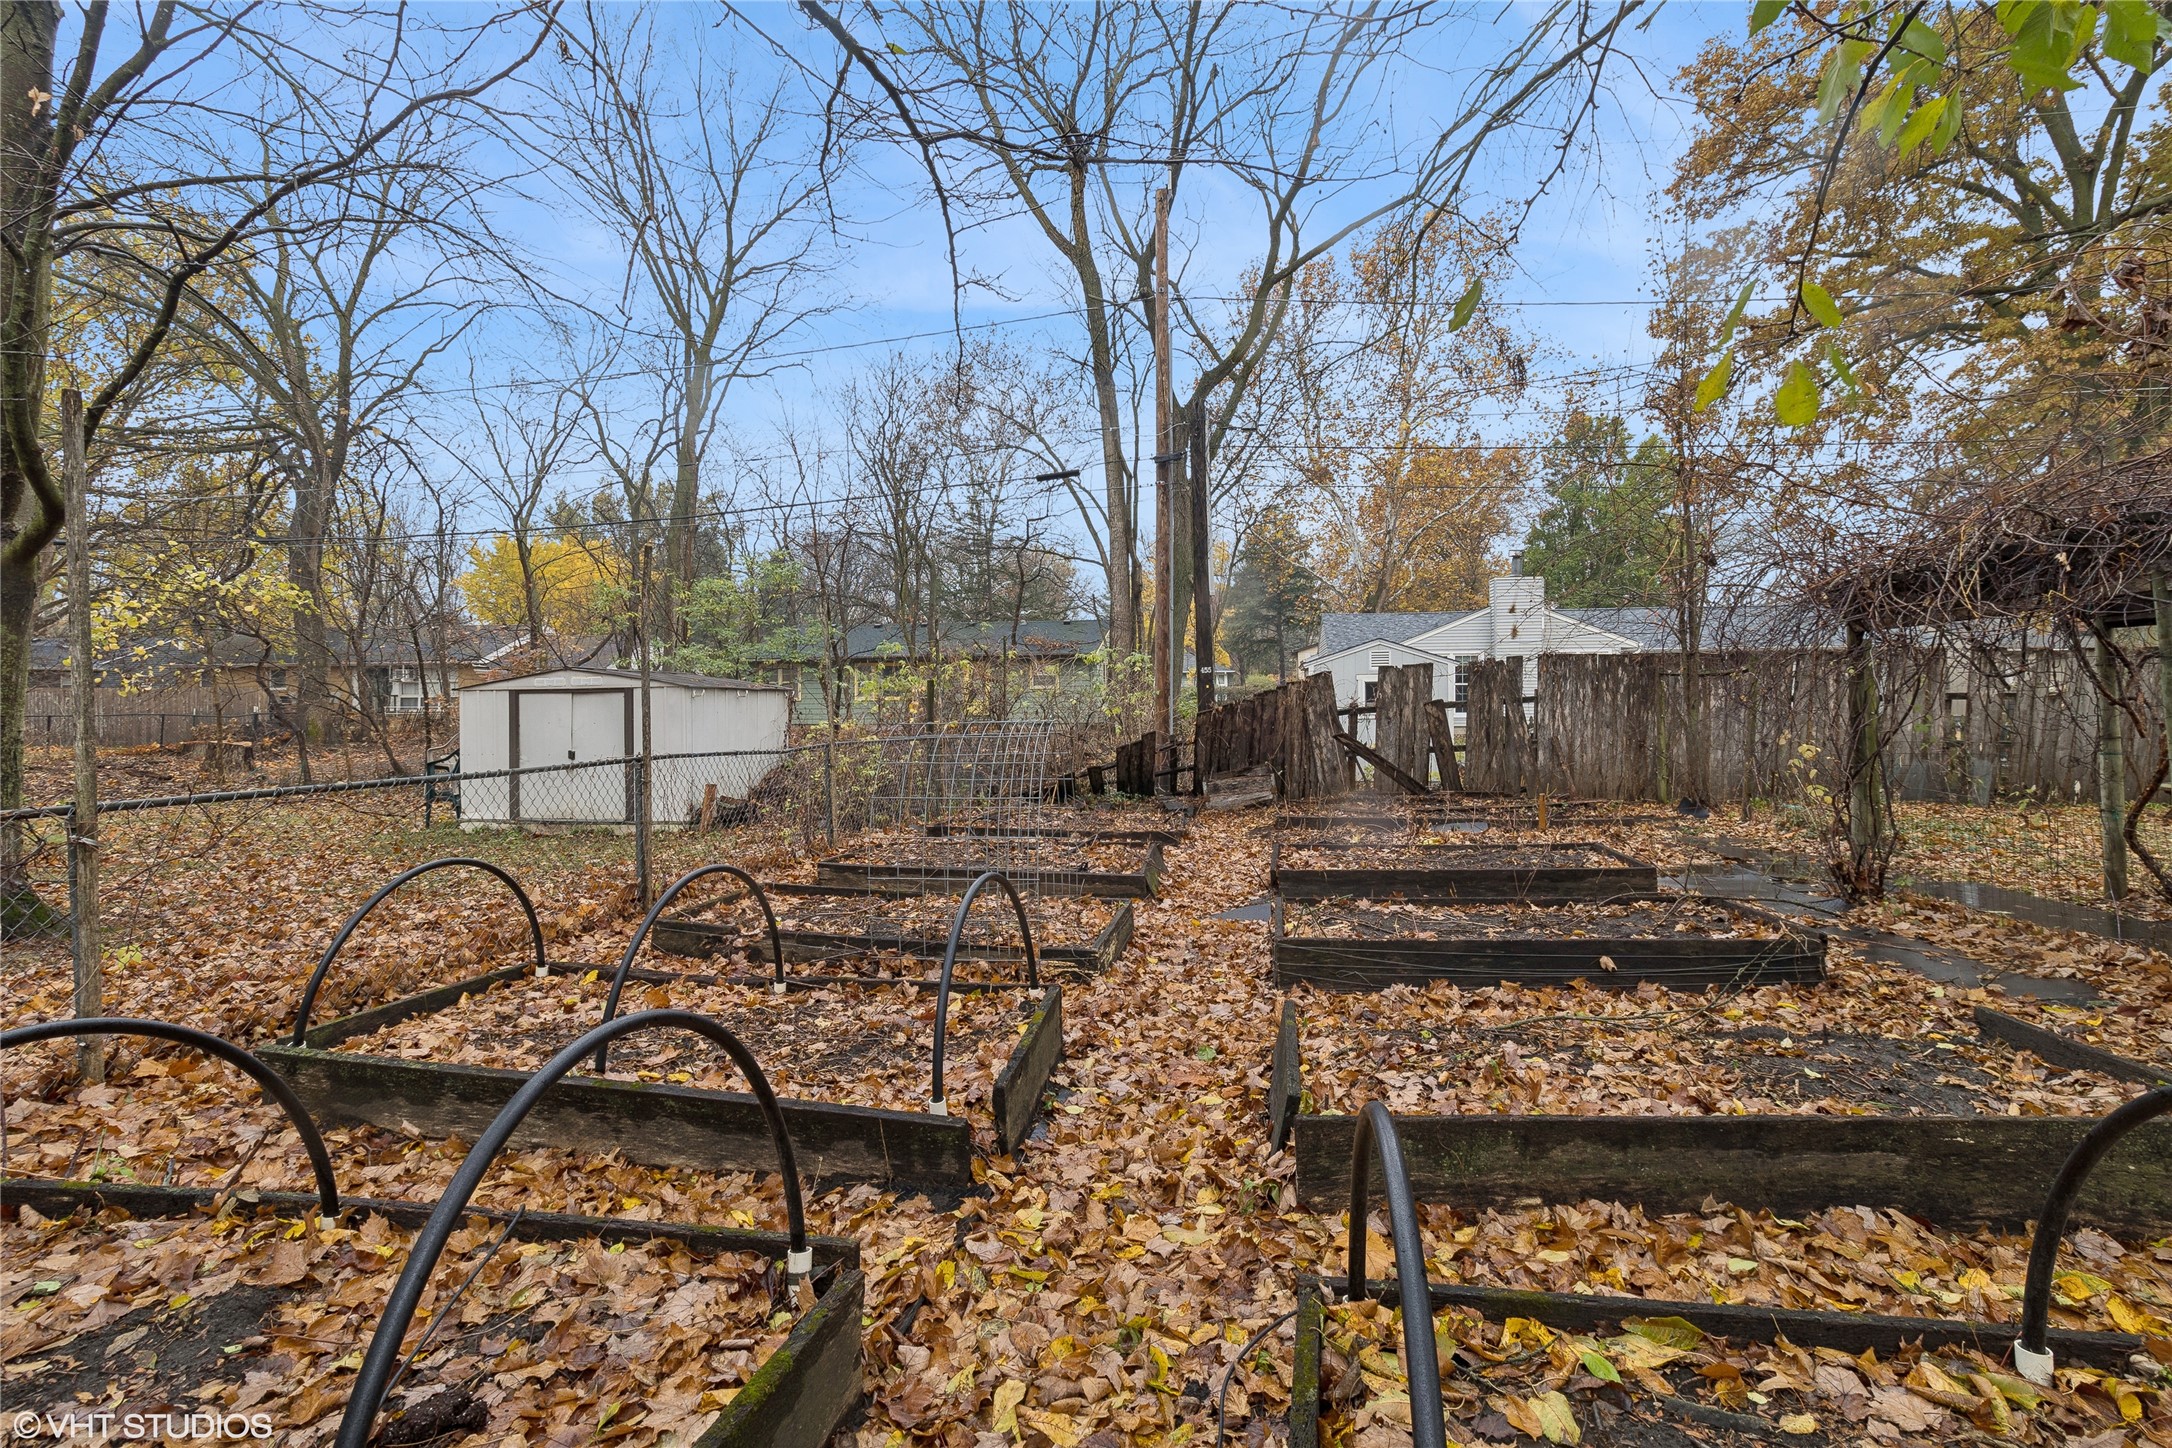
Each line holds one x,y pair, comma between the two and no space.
1687,942
660,1123
1376,1157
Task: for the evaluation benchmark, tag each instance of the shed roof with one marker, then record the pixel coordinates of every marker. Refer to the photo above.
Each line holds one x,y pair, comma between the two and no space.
631,676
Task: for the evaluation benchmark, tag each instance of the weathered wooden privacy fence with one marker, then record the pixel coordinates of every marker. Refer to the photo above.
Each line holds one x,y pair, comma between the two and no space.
1958,725
1297,731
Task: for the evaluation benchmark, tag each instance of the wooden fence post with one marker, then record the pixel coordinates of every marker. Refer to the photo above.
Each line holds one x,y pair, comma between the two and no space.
1400,731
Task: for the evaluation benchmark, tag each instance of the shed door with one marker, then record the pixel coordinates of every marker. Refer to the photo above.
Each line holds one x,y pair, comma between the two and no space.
565,729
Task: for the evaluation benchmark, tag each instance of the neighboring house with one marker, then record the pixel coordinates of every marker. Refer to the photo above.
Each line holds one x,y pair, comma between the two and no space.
387,671
1038,653
1518,623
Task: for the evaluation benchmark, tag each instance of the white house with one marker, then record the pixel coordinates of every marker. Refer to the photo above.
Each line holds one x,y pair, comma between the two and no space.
724,732
1517,622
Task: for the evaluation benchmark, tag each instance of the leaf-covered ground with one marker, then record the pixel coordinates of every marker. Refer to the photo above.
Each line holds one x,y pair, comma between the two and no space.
2048,850
1100,1288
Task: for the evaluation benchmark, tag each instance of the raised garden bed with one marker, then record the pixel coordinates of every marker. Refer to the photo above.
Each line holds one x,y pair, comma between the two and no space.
1958,1170
1609,1365
830,923
1685,1370
401,1066
1326,869
273,1296
1037,867
947,830
1680,941
2065,1042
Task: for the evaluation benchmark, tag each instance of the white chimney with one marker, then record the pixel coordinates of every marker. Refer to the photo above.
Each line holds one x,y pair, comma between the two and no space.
1518,607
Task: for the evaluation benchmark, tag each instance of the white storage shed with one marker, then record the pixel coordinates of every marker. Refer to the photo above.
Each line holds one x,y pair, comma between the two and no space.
722,732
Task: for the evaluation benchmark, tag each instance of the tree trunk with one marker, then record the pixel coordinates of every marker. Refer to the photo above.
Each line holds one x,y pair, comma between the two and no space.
90,1051
305,570
530,601
1123,543
1869,832
31,509
2111,766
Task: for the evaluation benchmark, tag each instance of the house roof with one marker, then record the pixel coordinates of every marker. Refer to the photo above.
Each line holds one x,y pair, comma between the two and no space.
1045,637
1738,625
1341,631
1366,643
633,676
1727,625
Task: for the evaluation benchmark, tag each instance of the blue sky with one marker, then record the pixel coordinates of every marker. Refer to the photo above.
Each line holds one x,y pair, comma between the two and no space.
1582,264
1580,286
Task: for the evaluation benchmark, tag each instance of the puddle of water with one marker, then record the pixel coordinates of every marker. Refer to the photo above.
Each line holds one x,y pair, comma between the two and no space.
1731,882
1469,827
1258,910
2053,914
1961,971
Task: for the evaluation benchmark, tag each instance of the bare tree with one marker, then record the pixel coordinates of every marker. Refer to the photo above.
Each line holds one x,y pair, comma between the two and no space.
108,151
531,435
342,308
1079,115
719,199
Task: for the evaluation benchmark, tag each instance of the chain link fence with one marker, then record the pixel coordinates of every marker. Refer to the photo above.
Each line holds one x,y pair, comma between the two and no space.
246,886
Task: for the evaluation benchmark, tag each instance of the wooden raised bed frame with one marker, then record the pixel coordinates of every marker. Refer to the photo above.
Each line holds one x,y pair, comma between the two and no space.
1850,1332
1796,956
909,879
1953,1170
702,938
659,1124
796,1399
1448,883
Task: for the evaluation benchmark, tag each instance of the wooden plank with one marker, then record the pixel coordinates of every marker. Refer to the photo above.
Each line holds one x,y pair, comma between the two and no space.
437,998
1442,734
2060,1050
816,1384
654,1124
1343,965
1024,1077
1285,1080
1357,749
1305,1371
940,879
1849,1332
1399,724
60,1199
1954,1171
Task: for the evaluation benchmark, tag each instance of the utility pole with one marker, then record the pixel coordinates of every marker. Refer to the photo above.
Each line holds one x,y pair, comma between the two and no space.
1202,580
1168,659
90,1051
644,803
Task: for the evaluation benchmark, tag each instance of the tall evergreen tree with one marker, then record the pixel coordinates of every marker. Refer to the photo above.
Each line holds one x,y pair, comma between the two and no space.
1274,595
1602,538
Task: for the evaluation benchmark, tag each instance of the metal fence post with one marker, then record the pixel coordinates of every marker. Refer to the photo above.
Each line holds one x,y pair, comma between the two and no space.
829,788
82,816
